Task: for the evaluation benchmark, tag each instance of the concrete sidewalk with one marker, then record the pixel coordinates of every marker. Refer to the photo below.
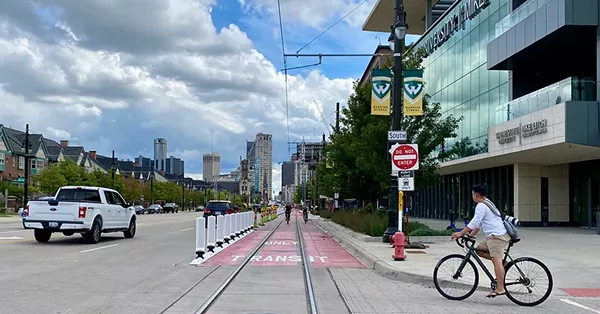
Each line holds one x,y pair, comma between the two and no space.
571,254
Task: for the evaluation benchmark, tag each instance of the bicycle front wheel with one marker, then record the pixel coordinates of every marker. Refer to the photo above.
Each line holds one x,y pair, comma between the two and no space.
454,283
528,282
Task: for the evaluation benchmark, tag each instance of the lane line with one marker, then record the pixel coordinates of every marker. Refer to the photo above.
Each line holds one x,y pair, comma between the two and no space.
571,302
11,238
186,229
98,248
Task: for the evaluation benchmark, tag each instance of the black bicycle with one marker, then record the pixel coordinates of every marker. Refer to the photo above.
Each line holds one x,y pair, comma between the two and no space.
287,217
516,282
305,215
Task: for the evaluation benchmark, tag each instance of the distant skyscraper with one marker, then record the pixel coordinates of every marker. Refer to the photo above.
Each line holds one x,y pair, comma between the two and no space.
250,152
211,167
175,166
287,173
263,149
160,154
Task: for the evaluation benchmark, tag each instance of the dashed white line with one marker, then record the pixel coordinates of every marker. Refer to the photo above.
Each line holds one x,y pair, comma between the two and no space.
186,229
571,302
98,248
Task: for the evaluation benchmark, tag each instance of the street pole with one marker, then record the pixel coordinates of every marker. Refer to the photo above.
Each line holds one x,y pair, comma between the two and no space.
400,20
113,168
26,187
182,195
152,187
337,117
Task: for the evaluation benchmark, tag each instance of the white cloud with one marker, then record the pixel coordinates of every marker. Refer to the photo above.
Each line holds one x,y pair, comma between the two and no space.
116,85
313,13
276,184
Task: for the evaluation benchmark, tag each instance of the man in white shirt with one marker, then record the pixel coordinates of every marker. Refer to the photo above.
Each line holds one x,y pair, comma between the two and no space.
496,236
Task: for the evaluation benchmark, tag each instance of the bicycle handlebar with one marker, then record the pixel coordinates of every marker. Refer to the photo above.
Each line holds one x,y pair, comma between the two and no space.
465,240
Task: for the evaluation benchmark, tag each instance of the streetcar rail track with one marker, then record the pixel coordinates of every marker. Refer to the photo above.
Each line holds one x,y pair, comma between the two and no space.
312,301
217,293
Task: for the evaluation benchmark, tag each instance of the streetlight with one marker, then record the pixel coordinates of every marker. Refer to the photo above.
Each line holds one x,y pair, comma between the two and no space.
396,40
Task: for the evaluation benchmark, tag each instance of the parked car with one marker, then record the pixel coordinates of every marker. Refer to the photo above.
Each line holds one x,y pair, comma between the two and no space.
199,208
155,209
139,209
86,210
170,208
218,208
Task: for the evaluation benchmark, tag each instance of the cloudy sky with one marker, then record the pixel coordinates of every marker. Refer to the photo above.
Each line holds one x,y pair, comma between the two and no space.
115,74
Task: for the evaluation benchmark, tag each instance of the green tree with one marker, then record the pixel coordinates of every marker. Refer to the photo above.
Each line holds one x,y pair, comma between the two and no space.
358,152
50,179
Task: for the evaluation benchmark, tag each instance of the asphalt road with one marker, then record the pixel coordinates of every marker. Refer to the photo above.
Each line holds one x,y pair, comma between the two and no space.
151,274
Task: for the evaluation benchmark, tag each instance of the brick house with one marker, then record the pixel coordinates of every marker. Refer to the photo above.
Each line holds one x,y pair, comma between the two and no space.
12,154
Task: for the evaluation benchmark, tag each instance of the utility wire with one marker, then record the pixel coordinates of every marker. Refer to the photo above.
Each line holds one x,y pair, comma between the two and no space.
330,27
287,107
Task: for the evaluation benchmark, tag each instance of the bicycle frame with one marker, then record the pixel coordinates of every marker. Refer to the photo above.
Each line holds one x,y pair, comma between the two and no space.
472,253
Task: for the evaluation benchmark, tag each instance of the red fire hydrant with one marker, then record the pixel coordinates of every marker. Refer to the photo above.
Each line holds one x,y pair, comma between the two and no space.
399,242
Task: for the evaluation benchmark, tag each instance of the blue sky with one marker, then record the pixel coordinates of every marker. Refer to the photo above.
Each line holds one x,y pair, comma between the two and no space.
200,67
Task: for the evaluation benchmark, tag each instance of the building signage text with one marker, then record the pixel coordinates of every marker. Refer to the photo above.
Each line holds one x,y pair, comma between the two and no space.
467,11
524,130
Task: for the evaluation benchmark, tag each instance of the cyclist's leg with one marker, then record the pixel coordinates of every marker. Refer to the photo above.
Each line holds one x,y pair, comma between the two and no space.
497,246
483,250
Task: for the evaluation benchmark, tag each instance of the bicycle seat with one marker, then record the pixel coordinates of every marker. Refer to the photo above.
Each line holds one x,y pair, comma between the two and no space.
514,241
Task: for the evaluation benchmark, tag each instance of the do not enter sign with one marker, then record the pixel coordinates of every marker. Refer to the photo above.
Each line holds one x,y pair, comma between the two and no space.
405,157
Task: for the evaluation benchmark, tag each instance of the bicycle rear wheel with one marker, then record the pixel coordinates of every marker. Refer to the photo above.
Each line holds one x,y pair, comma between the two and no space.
524,277
445,279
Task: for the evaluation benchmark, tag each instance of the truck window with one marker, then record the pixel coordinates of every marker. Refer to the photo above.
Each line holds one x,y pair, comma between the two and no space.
78,195
118,199
109,198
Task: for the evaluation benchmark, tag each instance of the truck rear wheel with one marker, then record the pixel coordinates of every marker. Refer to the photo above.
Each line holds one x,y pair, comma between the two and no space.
93,236
42,236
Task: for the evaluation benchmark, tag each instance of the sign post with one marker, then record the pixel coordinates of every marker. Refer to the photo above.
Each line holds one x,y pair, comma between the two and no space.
400,209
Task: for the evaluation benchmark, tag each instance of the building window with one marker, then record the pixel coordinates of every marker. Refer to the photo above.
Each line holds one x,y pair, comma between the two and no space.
1,158
33,164
21,163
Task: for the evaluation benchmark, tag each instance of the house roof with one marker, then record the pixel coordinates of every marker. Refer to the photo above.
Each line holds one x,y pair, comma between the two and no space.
15,139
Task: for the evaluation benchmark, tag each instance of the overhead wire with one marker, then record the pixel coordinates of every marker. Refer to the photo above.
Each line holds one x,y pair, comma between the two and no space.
332,26
287,107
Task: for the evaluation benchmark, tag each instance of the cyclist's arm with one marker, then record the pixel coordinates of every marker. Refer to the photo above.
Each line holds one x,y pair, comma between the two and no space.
474,232
475,223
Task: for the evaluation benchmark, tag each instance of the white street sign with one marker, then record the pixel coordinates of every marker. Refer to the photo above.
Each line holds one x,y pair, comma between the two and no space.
397,136
405,157
406,184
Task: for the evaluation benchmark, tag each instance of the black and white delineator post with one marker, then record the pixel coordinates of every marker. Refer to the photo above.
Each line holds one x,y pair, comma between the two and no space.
227,224
237,225
220,230
200,237
211,234
232,227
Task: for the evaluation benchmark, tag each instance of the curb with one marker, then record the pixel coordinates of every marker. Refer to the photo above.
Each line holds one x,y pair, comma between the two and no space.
371,261
376,264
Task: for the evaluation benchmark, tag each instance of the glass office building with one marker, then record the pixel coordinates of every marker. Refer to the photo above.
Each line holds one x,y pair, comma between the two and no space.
532,123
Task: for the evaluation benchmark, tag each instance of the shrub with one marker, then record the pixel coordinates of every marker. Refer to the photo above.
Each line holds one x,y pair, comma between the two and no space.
427,232
325,214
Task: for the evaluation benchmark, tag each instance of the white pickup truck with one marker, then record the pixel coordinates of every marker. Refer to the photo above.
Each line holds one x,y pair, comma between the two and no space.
87,210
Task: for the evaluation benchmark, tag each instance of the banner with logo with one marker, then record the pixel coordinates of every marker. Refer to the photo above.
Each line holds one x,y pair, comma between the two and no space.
413,92
381,81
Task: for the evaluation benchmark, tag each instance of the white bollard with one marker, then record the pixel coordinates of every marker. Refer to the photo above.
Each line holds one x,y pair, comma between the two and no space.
200,237
232,226
237,224
248,222
243,222
220,230
226,223
211,234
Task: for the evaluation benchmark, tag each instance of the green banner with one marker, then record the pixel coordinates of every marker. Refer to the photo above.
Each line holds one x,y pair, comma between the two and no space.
381,81
413,92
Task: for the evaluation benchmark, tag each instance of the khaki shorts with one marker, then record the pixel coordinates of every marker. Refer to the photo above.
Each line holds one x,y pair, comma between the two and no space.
496,245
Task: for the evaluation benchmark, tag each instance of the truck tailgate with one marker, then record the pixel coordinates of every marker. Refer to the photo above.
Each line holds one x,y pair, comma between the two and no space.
64,211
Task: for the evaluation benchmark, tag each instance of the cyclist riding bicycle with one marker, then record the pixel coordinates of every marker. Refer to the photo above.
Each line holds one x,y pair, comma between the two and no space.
496,236
288,211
